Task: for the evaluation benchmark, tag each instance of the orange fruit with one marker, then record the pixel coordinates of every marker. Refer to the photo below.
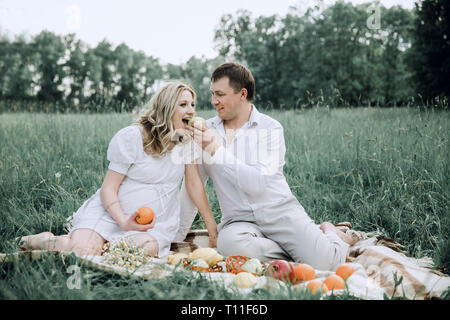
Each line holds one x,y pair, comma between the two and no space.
315,285
344,271
145,215
304,272
334,282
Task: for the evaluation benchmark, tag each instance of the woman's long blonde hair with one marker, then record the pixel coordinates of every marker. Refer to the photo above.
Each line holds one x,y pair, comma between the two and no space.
156,121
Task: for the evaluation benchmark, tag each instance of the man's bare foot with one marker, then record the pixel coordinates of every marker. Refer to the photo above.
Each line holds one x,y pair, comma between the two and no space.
35,241
327,226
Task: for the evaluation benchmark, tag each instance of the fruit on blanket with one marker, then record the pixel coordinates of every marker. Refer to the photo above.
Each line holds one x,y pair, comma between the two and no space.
145,215
197,119
317,285
199,263
281,270
334,282
245,280
304,272
209,255
344,271
175,258
253,266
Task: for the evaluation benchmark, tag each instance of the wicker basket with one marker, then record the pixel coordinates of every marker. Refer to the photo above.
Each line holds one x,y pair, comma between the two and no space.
234,264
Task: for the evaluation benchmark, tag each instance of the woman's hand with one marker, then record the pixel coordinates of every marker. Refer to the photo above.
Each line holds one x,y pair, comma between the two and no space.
212,235
130,223
212,241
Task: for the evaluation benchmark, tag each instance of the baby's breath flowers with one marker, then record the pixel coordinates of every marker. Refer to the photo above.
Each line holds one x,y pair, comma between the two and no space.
124,253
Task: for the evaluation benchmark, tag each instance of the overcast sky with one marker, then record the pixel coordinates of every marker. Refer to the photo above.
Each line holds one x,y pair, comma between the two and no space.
171,30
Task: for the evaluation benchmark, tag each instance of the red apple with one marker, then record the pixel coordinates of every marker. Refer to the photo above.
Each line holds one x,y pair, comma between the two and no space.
281,270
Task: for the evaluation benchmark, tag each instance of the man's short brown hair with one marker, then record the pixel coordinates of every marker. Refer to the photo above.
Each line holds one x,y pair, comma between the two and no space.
238,75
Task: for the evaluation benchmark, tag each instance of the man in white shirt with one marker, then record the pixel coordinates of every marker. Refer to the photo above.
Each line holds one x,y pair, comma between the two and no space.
244,156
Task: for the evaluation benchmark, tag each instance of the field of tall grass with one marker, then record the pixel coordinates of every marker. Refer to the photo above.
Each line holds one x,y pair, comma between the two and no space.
381,169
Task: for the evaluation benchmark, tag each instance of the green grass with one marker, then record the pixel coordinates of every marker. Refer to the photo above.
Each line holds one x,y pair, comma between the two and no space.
380,169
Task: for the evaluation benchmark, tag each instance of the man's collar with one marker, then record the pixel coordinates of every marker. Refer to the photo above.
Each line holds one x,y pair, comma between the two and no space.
254,116
253,120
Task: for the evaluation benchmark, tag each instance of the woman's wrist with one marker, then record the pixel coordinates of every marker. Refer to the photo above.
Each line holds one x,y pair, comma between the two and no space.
212,228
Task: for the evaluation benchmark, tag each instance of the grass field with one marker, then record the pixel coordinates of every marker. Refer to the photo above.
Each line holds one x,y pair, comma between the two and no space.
385,169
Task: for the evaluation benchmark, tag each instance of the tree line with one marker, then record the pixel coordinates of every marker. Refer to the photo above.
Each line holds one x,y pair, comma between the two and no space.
331,57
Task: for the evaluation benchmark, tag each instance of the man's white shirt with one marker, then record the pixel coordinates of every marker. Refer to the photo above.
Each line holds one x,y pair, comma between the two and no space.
247,173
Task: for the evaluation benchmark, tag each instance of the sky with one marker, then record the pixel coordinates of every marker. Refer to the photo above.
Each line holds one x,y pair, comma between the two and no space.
171,30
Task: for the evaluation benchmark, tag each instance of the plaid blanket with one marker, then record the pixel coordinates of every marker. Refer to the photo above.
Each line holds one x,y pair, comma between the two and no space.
382,268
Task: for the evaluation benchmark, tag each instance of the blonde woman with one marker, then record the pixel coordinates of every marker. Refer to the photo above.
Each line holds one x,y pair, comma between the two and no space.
141,172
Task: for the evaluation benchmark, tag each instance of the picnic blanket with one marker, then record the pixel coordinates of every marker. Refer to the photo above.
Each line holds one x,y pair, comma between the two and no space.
382,268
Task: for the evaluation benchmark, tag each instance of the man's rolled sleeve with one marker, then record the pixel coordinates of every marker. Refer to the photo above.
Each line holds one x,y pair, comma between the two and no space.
252,178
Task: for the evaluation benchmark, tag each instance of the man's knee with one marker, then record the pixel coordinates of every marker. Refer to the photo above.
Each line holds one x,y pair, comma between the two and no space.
326,260
230,242
250,244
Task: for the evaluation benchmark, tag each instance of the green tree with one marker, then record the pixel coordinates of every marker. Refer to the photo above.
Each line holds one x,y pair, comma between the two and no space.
136,73
104,67
77,70
430,56
197,73
52,54
17,69
397,25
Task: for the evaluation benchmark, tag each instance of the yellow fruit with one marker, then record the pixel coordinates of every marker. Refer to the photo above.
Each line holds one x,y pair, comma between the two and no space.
174,259
245,280
208,254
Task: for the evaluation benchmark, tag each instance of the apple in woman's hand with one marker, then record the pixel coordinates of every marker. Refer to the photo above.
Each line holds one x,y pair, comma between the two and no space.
281,270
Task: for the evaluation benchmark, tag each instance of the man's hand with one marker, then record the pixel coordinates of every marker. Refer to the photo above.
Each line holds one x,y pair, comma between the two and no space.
204,137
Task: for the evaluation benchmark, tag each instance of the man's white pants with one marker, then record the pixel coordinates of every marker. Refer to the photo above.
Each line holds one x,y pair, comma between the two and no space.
282,231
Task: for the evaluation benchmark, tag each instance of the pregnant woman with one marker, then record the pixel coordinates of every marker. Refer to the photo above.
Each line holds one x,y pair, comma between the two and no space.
142,172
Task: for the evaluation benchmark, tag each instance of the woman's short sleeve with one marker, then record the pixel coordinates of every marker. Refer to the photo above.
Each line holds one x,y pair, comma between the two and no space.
124,148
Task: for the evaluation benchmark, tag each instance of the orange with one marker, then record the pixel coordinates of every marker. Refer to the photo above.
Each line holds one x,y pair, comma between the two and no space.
145,215
315,285
304,272
344,271
334,282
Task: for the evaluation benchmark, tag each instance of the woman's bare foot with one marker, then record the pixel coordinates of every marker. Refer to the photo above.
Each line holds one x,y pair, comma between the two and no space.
327,226
35,241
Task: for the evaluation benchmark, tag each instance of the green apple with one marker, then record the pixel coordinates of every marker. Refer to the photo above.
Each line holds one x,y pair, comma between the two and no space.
253,266
197,119
199,263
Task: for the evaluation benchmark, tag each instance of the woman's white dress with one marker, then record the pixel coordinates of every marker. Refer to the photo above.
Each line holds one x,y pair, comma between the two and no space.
149,181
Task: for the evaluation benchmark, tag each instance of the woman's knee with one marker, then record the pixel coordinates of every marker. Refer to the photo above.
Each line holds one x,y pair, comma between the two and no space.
147,242
86,242
151,248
